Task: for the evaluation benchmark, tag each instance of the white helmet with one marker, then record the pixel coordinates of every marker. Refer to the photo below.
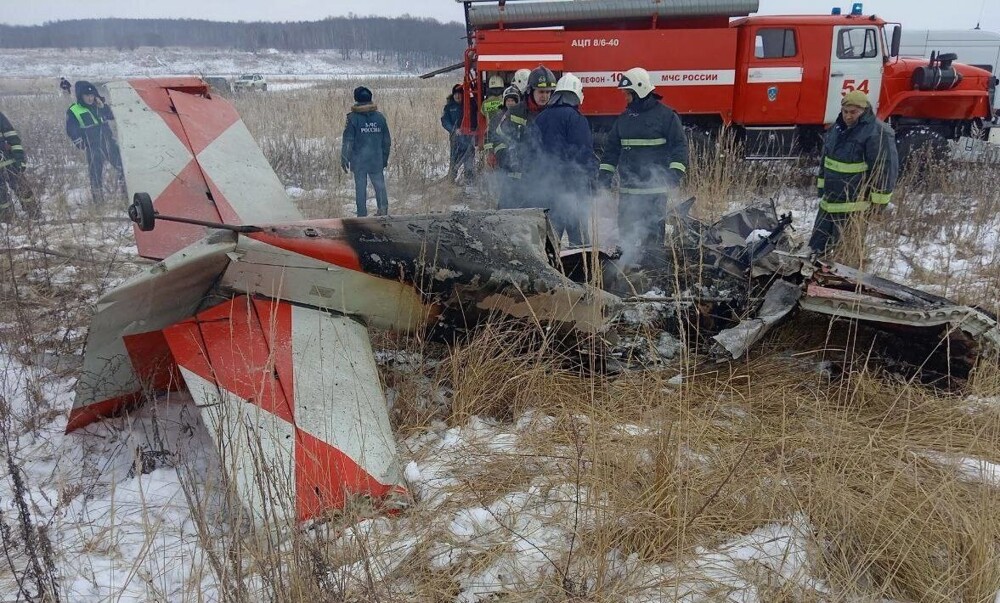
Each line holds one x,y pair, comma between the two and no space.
570,83
637,80
495,81
521,79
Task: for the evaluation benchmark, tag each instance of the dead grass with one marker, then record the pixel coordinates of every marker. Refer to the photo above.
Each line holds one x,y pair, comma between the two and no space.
808,432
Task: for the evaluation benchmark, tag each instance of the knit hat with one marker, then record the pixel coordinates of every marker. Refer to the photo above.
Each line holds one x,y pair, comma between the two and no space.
362,95
457,89
84,87
855,98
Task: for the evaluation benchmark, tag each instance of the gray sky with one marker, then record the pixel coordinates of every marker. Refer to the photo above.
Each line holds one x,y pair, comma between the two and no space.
916,14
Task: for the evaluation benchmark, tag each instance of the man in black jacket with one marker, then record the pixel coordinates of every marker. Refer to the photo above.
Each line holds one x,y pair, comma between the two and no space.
858,170
648,148
365,151
462,152
88,126
12,166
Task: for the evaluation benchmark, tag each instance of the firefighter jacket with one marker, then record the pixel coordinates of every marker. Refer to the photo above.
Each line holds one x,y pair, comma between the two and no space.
567,144
648,147
11,150
515,140
366,141
859,165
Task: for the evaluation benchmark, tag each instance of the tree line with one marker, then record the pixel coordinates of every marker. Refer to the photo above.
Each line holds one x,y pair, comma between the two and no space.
426,41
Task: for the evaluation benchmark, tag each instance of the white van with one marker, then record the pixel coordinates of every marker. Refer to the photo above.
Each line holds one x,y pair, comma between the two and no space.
973,47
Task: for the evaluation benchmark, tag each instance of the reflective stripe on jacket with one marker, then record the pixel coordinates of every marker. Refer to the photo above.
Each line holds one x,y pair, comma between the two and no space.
648,147
859,166
11,149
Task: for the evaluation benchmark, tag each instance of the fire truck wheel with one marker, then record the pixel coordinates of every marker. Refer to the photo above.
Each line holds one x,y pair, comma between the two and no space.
920,147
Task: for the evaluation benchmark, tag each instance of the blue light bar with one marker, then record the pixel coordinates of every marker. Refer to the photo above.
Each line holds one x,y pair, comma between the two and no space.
835,11
857,9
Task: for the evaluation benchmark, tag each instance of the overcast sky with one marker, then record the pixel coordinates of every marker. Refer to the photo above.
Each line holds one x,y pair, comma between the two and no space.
916,14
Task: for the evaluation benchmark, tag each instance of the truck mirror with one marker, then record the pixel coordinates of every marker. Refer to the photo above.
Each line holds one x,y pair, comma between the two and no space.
897,36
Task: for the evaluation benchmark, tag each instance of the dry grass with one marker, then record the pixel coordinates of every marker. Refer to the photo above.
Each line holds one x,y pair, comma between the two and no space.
808,432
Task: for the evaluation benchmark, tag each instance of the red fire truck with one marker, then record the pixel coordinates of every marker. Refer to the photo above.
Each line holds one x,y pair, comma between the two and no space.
777,80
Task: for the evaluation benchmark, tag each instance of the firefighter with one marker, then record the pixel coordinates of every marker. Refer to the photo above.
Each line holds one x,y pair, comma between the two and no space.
520,80
648,148
516,139
567,153
496,179
858,170
88,126
462,152
365,151
494,97
12,167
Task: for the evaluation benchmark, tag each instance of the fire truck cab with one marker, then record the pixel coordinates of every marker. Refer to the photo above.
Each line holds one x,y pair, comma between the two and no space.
778,80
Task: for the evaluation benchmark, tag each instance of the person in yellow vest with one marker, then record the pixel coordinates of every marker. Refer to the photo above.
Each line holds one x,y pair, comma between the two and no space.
12,166
87,125
494,97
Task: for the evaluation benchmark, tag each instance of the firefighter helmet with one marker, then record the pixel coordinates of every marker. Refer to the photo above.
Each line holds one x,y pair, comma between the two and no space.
637,80
495,82
570,83
512,92
521,79
541,78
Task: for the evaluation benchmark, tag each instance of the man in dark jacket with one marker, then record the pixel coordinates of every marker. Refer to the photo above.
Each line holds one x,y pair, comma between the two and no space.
87,125
648,148
567,153
365,151
462,153
516,142
12,167
858,170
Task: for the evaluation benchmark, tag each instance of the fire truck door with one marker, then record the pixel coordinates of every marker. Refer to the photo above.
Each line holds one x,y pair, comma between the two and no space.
855,64
773,78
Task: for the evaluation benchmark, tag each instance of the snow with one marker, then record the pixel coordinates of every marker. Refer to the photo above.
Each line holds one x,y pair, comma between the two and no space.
105,64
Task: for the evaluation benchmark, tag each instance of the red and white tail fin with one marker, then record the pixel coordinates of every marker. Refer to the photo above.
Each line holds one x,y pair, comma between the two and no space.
293,394
191,151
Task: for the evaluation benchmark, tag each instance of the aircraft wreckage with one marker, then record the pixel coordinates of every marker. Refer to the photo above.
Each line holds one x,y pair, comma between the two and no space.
263,316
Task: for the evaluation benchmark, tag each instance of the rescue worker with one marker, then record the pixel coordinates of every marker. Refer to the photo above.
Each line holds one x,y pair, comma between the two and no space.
516,141
64,85
365,151
567,153
648,149
462,152
494,98
520,80
87,125
12,167
497,179
858,170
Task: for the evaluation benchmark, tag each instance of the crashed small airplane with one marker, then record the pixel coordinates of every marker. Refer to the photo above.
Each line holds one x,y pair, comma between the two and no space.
263,316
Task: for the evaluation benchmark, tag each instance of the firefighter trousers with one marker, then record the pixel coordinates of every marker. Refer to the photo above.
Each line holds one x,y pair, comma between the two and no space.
570,214
13,180
377,178
829,229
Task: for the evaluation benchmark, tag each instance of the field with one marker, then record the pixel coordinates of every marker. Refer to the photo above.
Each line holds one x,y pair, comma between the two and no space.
810,471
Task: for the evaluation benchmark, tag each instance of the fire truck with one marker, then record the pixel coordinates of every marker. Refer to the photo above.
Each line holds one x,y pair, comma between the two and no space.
776,80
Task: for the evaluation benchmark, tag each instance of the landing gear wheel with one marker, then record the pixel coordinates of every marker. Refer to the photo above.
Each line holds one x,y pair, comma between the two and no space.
141,212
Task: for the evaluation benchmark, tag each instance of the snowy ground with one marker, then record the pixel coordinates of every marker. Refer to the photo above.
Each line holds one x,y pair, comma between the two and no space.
108,63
